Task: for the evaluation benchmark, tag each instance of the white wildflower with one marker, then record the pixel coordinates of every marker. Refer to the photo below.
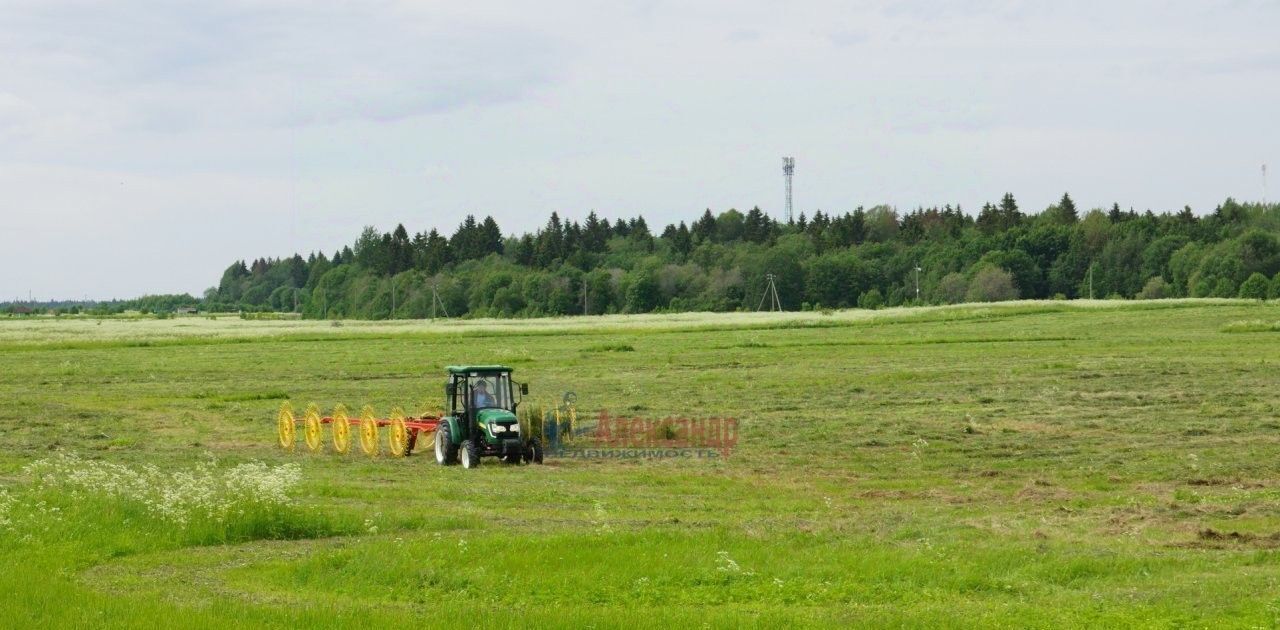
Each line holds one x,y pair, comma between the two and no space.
727,564
600,519
204,491
6,506
918,446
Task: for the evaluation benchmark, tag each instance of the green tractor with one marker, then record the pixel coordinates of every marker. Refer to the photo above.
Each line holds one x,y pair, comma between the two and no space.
481,419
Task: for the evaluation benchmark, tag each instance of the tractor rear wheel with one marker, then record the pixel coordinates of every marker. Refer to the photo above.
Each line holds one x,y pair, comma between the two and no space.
470,454
446,451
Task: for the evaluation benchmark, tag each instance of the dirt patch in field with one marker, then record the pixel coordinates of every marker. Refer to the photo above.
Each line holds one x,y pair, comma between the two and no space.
1028,426
1234,483
891,494
1129,520
1038,491
1209,538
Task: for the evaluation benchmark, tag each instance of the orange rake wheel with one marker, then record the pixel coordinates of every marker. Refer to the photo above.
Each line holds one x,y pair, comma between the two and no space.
398,436
286,426
368,432
340,426
311,428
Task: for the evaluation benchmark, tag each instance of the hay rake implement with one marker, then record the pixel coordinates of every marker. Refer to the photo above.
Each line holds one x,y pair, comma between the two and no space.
402,434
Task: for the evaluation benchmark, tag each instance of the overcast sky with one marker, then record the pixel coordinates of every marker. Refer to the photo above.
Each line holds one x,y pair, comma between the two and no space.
146,145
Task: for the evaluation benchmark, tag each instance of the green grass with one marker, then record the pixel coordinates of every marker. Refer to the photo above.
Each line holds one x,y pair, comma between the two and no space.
1251,326
1031,464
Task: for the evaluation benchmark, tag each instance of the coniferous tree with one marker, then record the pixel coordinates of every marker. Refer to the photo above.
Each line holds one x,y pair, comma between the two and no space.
595,234
704,229
1067,209
400,256
490,237
755,228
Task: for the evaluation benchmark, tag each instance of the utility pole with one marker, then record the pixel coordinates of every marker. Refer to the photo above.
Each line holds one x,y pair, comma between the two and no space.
1090,281
770,291
435,299
917,282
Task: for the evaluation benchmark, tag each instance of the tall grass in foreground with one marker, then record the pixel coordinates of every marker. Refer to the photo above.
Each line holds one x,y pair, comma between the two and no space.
108,506
72,514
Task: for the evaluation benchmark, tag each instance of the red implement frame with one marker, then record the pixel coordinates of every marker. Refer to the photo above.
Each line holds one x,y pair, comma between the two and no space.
421,424
426,424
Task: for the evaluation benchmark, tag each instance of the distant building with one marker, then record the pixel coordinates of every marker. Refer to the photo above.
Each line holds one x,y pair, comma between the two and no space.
187,310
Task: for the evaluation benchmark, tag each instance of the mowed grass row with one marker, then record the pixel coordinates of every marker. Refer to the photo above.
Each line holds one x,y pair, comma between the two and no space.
1035,464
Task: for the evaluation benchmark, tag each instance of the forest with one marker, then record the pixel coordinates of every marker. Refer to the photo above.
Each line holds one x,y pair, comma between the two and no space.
866,258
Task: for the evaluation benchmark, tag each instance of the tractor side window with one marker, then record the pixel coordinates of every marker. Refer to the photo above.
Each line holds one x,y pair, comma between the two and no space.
502,391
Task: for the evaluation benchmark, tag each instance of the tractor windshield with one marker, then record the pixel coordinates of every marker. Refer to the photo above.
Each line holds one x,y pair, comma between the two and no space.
491,391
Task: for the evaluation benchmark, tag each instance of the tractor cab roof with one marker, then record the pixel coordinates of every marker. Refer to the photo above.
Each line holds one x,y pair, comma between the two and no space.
467,369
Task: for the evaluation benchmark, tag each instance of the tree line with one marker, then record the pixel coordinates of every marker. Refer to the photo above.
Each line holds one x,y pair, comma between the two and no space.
146,305
719,262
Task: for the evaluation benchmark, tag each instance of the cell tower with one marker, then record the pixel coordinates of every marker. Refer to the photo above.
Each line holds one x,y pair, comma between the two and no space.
788,169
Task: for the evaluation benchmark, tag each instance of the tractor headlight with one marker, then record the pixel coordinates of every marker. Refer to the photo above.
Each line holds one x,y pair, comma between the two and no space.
497,428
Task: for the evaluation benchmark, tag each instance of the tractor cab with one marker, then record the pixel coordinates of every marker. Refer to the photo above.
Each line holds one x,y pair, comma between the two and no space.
481,422
474,389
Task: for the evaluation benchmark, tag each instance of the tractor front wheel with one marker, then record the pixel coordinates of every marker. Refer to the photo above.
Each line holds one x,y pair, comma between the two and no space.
533,451
470,454
446,451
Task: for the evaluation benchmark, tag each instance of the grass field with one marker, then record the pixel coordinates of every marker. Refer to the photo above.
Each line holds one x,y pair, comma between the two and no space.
1026,464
